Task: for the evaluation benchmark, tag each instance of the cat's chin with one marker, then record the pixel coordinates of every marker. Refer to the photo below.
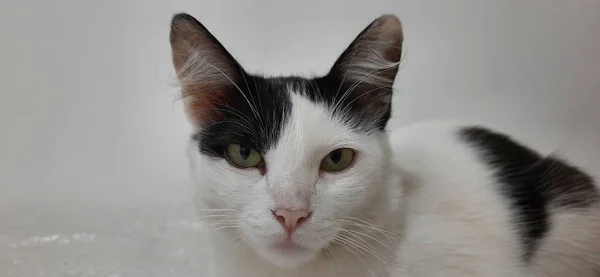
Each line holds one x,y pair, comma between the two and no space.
287,257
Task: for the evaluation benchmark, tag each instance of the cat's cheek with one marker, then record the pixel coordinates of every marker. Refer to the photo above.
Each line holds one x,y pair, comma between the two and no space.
222,185
353,187
349,194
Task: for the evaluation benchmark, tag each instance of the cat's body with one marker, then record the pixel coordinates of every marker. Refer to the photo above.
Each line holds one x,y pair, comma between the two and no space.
298,177
450,224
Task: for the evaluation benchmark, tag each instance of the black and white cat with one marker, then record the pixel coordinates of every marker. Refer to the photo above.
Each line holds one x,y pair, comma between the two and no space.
298,177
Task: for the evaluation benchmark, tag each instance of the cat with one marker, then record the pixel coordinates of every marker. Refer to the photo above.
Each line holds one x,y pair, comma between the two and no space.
300,177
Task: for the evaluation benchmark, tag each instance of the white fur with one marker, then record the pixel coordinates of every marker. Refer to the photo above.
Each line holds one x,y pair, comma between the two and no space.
420,206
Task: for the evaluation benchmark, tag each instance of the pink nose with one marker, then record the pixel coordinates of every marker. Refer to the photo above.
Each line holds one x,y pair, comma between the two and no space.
291,220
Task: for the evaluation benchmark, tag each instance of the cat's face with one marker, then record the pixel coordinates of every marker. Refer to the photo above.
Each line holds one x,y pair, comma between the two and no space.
284,164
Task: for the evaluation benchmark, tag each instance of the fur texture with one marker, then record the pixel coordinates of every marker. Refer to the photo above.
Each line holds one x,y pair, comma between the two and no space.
433,199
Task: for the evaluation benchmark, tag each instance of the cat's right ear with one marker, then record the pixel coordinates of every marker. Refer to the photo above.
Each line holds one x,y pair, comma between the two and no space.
208,74
366,71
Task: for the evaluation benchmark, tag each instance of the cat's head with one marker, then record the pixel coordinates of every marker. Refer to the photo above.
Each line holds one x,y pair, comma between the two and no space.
288,164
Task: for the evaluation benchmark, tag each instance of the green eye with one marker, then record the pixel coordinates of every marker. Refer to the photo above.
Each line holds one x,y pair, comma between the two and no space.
243,156
338,160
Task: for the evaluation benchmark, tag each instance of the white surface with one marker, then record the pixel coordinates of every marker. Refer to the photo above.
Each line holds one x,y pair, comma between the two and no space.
93,179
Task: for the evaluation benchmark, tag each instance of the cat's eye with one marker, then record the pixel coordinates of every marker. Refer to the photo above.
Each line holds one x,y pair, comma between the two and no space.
338,160
243,156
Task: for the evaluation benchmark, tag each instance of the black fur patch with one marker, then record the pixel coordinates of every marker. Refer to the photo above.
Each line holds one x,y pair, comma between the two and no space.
534,185
271,99
347,107
255,120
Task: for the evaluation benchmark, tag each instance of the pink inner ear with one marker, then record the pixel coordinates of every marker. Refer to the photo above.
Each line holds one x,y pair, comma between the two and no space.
203,106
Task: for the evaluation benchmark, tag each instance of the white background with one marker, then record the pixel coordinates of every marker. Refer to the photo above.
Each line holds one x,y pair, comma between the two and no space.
91,133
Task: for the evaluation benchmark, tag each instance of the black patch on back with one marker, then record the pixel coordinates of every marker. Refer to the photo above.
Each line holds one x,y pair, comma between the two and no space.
534,185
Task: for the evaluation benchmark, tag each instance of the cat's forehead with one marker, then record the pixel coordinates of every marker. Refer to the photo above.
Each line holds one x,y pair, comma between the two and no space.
309,113
311,126
278,112
309,133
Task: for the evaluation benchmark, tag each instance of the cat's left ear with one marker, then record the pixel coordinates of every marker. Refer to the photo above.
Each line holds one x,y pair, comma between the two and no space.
366,70
207,72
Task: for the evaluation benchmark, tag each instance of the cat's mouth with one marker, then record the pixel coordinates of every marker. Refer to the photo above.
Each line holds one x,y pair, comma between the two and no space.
287,246
288,253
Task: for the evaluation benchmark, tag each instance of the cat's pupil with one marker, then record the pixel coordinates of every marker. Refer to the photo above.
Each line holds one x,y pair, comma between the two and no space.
336,156
244,152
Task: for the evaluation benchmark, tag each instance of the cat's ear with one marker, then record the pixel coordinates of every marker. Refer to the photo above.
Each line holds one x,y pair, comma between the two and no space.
366,70
208,74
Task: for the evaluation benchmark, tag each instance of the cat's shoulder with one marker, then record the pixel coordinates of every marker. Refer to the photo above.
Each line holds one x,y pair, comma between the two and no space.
437,141
456,141
427,132
438,154
434,133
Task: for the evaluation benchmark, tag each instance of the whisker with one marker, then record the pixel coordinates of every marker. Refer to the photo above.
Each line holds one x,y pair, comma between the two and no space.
253,105
220,210
356,233
362,248
227,227
387,234
357,256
